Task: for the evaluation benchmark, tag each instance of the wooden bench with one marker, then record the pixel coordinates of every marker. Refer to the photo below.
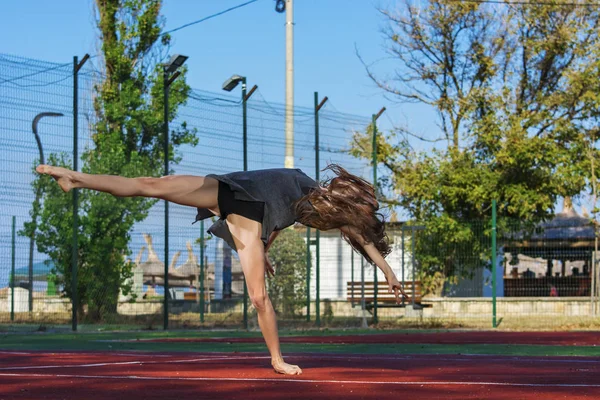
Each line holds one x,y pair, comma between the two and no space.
192,296
384,299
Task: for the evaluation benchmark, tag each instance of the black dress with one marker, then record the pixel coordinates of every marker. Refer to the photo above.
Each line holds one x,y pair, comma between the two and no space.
275,189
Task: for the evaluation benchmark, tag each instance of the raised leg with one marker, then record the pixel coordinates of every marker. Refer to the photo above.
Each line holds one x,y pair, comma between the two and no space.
188,190
250,248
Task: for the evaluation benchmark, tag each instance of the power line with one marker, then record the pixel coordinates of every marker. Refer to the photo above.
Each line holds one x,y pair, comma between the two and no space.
40,84
527,3
164,33
196,96
210,16
12,80
34,73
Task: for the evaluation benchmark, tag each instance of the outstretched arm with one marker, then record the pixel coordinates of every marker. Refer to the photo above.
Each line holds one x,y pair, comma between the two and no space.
378,260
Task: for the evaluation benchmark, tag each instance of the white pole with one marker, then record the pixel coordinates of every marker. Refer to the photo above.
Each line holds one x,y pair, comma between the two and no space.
289,84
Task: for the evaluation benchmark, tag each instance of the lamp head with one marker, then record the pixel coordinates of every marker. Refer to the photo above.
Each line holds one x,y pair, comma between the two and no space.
175,62
232,82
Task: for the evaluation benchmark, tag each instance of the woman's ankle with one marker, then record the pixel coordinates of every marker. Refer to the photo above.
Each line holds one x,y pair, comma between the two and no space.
276,360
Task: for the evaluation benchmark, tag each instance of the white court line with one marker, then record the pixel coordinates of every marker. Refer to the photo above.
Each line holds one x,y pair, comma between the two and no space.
300,380
222,357
97,352
108,364
431,357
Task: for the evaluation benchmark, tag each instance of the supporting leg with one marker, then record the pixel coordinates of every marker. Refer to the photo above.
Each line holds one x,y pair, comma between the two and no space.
246,235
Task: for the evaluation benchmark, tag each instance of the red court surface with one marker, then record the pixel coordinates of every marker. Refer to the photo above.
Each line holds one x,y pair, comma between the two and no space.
584,338
132,375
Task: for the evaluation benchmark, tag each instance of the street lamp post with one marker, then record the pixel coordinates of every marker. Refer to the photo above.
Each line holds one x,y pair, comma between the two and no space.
36,203
170,73
228,86
77,65
374,119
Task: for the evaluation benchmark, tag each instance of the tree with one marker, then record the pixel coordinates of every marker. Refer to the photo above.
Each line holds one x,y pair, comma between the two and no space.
127,141
287,289
515,88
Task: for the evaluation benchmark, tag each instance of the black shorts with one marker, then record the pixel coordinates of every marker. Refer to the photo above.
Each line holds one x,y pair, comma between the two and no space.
228,204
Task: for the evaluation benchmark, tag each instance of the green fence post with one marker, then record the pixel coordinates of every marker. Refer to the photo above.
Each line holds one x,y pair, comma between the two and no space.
245,161
494,264
412,261
317,236
308,261
245,98
317,281
374,155
12,270
352,276
166,75
74,254
403,254
74,251
245,305
318,233
202,271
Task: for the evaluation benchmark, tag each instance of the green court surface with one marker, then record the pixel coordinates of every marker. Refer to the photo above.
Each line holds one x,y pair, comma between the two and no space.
140,341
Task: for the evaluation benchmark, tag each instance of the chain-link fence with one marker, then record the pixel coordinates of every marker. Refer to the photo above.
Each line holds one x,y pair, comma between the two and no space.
544,275
35,291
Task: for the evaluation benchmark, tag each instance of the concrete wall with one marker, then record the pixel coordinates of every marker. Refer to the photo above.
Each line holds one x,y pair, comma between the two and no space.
509,306
40,304
442,308
457,308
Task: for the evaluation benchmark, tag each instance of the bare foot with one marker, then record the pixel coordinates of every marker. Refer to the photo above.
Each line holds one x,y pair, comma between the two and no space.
64,177
281,367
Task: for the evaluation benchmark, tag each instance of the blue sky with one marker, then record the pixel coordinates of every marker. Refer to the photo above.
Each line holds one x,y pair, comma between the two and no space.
248,41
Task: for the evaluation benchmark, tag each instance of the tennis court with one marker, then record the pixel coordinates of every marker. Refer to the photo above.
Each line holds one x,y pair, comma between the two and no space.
449,365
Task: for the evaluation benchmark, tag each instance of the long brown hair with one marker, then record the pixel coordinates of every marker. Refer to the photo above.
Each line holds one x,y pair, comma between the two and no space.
345,200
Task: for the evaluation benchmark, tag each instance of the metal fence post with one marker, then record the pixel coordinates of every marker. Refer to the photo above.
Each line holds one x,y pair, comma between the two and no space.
166,173
308,261
74,251
376,284
494,263
413,234
352,276
12,270
318,233
403,254
201,271
245,162
74,260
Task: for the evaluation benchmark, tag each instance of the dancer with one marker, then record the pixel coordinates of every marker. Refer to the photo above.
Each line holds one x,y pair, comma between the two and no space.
253,206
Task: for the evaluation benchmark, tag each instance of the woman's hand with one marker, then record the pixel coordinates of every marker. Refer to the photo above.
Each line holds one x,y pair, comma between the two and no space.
396,287
269,267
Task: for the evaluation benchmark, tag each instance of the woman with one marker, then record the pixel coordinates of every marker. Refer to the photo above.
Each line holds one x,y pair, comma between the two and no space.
252,207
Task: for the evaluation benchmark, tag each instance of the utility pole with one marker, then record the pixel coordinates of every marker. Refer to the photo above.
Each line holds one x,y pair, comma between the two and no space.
287,7
289,83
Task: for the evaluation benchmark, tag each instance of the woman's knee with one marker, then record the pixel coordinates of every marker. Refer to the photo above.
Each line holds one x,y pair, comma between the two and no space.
259,301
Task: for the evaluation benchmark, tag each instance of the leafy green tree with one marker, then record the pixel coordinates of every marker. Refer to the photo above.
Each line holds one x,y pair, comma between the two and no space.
127,141
287,289
516,92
